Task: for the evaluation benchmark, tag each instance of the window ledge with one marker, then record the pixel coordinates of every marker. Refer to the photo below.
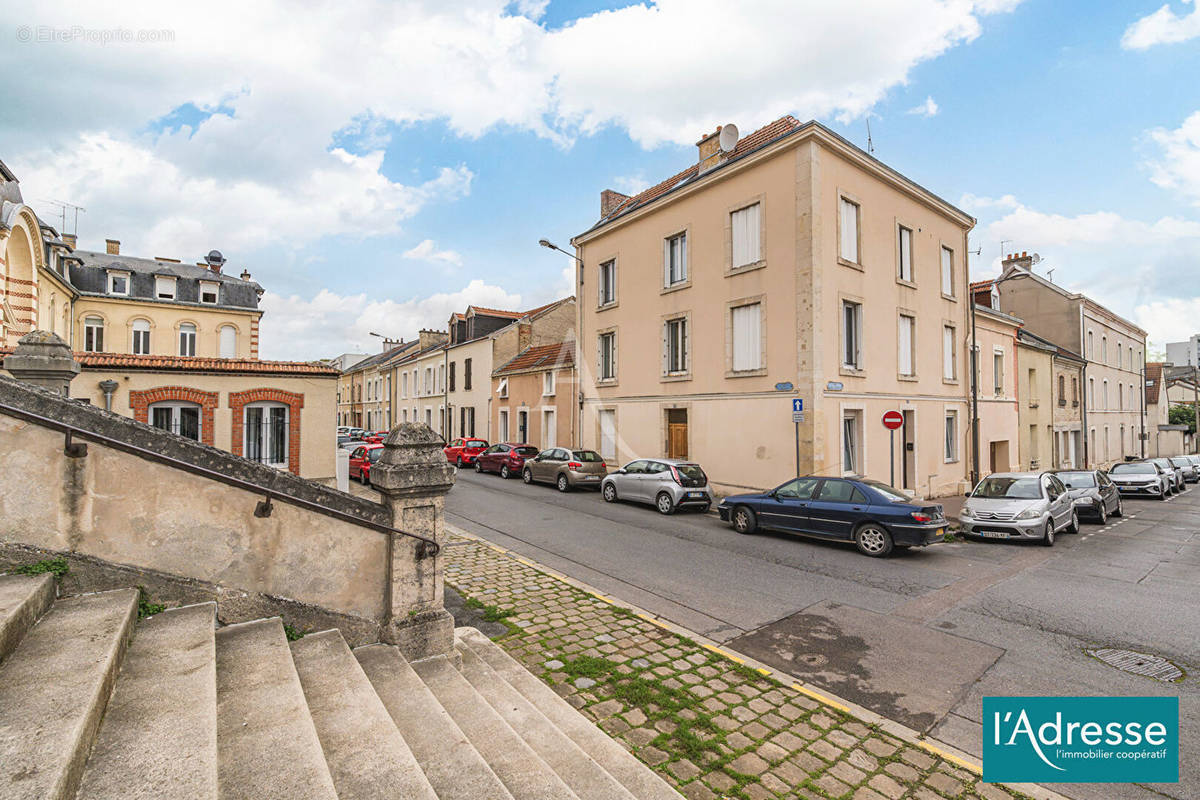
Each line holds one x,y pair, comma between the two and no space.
746,373
675,376
902,282
852,372
675,287
851,264
753,265
607,306
949,297
601,382
908,378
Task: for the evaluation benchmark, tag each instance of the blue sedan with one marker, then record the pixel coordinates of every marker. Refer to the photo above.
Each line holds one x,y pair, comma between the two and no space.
873,515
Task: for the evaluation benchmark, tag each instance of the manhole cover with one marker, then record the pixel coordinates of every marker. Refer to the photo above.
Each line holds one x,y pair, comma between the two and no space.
1150,666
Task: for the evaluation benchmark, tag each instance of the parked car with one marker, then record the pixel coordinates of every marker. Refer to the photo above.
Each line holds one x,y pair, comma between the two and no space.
342,430
666,483
361,459
1019,505
1189,471
349,442
1141,477
507,458
873,515
566,469
1092,492
462,452
1175,472
356,433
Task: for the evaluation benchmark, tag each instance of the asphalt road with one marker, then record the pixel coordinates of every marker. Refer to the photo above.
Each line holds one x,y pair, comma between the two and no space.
919,637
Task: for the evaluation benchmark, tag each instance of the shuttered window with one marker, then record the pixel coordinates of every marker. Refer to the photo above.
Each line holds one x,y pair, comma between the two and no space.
746,228
949,354
905,343
947,271
747,337
905,265
849,231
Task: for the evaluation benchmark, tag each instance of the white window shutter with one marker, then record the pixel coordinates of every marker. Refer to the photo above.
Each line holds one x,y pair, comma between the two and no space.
666,348
614,354
666,262
686,360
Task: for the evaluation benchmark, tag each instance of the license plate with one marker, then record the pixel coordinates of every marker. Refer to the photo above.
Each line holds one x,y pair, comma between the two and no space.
994,535
941,531
695,494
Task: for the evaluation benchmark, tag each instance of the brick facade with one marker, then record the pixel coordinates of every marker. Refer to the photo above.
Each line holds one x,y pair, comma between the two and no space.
140,402
239,400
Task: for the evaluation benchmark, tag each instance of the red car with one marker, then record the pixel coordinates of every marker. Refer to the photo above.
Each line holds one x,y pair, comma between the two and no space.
377,437
361,459
464,451
506,458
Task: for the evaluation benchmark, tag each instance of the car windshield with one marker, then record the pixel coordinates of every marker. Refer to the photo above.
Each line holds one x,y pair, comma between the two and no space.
526,451
474,443
692,471
890,492
1011,488
1078,480
1140,468
586,456
373,455
1181,462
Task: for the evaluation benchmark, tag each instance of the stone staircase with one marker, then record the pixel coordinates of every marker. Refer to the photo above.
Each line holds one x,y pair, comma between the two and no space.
95,704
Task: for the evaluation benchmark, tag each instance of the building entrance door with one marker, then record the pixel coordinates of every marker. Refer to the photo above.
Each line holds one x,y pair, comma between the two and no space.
677,433
908,456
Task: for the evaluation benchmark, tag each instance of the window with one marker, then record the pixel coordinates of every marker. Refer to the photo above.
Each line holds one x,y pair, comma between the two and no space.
906,341
947,271
949,353
951,445
547,384
851,442
209,292
1033,393
607,283
675,260
404,384
429,380
266,431
118,283
905,266
441,378
466,375
1089,344
851,334
1104,349
187,339
452,370
549,427
675,346
1091,393
798,489
502,389
747,337
998,373
164,287
1074,391
504,424
141,337
848,216
1104,394
1062,390
228,341
1120,396
429,418
747,248
607,360
93,334
182,419
1119,364
608,434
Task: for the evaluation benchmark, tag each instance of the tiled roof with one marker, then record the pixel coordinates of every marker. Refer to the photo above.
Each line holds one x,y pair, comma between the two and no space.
541,357
1154,374
182,364
495,312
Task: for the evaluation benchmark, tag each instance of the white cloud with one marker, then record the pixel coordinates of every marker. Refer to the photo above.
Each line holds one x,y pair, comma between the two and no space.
927,109
630,184
1164,26
427,250
1177,165
534,9
1171,320
330,323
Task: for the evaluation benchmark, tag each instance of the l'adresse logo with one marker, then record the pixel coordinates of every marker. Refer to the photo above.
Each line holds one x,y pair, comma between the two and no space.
1081,739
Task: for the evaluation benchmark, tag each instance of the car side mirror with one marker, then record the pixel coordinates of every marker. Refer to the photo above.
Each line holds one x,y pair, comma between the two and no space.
620,471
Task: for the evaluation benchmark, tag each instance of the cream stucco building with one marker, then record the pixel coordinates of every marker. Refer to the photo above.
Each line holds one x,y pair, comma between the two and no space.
794,267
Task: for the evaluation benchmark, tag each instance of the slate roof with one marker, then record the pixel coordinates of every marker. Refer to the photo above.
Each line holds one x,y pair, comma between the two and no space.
123,361
89,274
540,357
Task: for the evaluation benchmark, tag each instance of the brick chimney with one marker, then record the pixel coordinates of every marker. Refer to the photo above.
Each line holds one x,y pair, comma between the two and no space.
112,247
610,200
70,239
245,275
524,335
710,149
429,338
1023,261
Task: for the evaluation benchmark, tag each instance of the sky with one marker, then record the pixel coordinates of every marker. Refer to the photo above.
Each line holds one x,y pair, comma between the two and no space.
379,165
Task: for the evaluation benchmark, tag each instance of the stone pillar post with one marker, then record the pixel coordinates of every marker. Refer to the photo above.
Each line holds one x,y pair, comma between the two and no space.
413,477
43,359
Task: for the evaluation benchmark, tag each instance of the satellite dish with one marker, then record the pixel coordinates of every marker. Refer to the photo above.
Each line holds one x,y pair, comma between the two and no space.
729,138
1036,259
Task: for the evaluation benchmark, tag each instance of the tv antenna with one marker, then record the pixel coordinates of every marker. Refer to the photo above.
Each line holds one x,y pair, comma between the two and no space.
62,207
870,144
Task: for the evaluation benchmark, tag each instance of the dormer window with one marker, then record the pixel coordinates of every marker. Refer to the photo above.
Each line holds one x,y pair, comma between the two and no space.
209,292
118,283
164,287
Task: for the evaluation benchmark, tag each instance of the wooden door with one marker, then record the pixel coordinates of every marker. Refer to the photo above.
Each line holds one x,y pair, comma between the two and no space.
677,440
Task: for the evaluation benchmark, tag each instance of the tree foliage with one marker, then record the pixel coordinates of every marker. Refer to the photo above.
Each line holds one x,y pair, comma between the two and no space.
1183,415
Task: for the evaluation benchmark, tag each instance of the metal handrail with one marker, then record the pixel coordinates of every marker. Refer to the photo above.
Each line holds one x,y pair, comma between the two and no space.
432,548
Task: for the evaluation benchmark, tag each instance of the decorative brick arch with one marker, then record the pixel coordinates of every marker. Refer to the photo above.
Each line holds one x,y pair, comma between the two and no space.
237,404
141,400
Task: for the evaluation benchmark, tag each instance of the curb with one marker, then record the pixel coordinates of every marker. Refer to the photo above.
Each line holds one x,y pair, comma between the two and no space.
935,747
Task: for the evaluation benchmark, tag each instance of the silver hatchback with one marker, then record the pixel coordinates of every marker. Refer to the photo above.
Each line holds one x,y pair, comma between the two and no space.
1019,505
665,483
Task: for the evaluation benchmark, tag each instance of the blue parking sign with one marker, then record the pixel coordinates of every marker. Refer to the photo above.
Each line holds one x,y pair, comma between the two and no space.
797,405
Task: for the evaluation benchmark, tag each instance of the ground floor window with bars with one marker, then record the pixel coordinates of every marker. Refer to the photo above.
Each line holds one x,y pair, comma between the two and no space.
266,432
182,419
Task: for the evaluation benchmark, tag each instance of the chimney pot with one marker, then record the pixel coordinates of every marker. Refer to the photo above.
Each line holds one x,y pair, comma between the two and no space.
70,239
1024,254
112,247
245,274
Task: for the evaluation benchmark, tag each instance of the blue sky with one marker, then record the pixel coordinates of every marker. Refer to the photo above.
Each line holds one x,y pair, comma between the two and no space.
319,152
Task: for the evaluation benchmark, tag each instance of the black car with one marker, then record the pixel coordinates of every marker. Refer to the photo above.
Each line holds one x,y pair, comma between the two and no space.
1094,495
873,515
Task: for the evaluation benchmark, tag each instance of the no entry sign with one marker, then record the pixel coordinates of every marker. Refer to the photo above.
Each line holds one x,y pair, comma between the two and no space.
893,420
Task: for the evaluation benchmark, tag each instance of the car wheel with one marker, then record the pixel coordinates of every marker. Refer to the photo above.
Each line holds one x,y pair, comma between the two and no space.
872,540
704,508
1119,511
1163,495
609,492
1074,523
563,484
663,503
1103,513
478,466
527,476
506,473
744,520
1048,536
458,462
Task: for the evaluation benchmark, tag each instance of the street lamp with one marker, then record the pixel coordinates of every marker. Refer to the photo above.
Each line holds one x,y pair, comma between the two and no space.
549,245
973,363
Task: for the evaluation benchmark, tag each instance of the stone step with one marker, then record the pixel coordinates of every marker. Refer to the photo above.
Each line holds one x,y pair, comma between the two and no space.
53,690
366,755
453,766
267,747
635,776
577,769
514,762
23,600
159,735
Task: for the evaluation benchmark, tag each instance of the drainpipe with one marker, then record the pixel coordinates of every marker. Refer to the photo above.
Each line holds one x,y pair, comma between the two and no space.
108,387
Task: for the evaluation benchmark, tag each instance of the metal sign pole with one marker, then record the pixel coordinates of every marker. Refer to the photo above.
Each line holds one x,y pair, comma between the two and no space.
892,457
797,449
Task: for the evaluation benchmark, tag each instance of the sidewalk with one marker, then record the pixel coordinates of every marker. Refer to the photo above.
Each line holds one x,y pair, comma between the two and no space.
714,727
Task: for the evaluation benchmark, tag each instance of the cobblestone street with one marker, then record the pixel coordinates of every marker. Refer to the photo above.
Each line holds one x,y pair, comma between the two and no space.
715,728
